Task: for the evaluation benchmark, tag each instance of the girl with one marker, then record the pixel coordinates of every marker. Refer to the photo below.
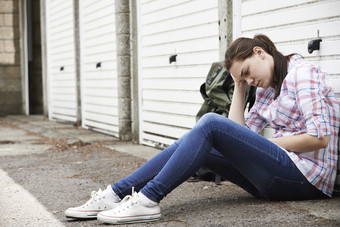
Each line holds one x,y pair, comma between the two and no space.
298,163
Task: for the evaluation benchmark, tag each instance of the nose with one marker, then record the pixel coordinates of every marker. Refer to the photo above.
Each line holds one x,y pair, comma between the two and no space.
250,81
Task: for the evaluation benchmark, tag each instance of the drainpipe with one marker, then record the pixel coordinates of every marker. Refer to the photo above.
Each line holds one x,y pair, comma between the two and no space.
77,60
134,71
44,56
122,16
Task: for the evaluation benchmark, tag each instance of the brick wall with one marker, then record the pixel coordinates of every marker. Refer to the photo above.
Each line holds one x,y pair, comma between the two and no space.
10,75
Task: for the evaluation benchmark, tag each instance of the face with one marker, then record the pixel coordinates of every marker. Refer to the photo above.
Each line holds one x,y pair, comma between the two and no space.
256,70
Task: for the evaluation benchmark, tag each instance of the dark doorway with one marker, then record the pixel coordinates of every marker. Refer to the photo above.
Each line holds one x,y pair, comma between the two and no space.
35,86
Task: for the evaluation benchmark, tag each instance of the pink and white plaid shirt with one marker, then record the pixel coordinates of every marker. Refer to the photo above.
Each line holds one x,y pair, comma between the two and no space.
306,104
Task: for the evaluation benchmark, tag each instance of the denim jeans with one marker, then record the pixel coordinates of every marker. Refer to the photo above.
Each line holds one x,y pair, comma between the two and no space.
247,159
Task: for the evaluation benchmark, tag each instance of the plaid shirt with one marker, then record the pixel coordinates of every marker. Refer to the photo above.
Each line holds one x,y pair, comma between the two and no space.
306,104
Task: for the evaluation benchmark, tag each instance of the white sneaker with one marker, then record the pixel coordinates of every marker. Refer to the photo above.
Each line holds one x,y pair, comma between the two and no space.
130,210
91,208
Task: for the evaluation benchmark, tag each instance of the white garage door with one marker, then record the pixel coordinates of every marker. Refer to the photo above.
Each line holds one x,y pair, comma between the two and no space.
170,95
61,80
292,24
98,66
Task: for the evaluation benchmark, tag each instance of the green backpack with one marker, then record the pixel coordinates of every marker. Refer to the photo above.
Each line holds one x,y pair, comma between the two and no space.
217,92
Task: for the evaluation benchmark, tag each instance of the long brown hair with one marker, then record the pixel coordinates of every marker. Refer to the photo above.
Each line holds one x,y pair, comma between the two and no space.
242,48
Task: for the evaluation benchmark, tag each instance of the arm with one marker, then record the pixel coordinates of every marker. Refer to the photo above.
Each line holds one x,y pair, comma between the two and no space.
301,143
307,83
236,112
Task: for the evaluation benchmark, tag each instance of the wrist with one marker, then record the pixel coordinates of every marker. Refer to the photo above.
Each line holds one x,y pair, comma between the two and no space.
240,89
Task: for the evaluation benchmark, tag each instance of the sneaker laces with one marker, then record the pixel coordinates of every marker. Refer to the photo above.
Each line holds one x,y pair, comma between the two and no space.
95,195
129,200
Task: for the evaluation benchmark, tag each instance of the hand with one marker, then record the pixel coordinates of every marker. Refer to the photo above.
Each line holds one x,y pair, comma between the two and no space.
236,112
240,84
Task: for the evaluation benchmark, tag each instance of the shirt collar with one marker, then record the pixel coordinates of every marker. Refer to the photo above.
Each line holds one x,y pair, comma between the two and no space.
293,61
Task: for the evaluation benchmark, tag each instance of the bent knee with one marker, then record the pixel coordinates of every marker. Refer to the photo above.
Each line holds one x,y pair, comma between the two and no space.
210,119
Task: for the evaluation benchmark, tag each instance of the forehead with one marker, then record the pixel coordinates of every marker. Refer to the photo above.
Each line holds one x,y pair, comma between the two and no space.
236,67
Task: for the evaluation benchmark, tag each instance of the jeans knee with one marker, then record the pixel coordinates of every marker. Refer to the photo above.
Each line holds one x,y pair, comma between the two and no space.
209,119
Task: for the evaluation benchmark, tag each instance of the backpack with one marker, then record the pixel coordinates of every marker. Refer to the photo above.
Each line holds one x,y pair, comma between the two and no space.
217,92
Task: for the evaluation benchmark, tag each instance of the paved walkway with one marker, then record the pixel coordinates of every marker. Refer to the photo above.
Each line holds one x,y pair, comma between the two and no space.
46,166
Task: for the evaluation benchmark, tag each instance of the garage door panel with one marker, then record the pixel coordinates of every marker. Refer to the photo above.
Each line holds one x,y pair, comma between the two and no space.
92,73
61,96
109,83
175,11
332,65
101,127
148,6
106,59
335,84
193,20
104,92
104,118
185,34
171,108
97,9
157,140
169,119
99,70
291,16
61,110
164,130
171,84
97,108
104,101
95,47
170,92
61,80
261,6
101,33
182,59
173,96
303,32
326,48
59,29
189,46
185,71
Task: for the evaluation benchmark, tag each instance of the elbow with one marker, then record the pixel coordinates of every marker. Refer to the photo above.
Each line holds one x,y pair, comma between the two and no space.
323,142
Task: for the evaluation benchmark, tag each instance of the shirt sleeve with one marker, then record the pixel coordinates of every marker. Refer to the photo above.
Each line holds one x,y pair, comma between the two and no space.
253,119
310,89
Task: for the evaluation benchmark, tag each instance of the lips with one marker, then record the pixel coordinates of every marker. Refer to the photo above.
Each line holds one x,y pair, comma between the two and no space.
257,84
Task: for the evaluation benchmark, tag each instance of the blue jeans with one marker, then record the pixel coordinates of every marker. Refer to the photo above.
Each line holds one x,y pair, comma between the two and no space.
247,159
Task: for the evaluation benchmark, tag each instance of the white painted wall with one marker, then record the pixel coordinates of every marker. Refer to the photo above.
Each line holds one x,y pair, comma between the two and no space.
169,93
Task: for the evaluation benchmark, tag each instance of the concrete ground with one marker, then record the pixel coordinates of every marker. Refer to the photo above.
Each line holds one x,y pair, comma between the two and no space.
46,167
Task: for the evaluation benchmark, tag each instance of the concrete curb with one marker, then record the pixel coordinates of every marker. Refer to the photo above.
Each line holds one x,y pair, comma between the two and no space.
19,208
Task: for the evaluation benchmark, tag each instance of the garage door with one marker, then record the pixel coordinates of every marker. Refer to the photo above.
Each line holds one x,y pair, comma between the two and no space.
98,66
169,93
61,72
292,24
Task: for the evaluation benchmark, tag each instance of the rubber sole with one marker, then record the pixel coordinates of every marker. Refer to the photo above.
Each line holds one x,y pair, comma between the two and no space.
129,220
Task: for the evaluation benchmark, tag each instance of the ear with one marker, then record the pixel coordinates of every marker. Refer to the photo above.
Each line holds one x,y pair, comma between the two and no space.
258,51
